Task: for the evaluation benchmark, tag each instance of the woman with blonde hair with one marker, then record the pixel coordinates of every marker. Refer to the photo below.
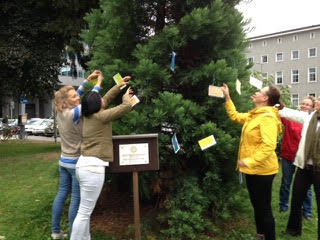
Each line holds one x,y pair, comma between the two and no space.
67,105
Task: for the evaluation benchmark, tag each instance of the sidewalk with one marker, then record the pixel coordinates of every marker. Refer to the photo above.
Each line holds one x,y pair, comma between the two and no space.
42,138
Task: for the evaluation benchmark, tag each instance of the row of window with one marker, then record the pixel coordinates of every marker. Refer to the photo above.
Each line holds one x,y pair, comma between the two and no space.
295,98
68,72
279,40
295,76
295,55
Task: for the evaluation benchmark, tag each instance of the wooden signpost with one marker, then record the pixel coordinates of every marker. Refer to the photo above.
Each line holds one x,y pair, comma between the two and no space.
135,153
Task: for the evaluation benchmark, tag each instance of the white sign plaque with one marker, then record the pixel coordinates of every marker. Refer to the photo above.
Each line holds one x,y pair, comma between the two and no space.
133,154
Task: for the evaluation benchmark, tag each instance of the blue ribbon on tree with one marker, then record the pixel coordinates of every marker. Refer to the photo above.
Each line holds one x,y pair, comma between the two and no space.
175,143
173,60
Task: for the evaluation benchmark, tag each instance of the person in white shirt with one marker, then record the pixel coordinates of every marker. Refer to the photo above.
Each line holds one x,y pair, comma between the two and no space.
307,160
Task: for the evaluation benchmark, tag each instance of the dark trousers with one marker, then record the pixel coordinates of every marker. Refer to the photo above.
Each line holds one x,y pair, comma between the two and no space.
302,182
260,192
288,170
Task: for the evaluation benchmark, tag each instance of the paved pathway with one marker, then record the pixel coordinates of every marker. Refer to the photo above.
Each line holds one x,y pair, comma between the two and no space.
42,138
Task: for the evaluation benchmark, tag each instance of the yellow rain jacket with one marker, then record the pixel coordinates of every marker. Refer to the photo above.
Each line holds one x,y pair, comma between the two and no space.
261,128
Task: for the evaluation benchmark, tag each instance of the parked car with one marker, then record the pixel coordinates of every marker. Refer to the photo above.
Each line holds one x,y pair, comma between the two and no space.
39,129
12,122
28,128
49,131
31,120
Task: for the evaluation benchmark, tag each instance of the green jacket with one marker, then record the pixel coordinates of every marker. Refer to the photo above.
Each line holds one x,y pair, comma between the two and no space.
97,128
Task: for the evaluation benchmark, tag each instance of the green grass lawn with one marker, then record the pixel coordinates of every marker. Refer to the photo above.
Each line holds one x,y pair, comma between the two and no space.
28,184
29,181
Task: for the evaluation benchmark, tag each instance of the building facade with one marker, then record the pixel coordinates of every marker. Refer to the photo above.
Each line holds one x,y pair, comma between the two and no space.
35,107
291,58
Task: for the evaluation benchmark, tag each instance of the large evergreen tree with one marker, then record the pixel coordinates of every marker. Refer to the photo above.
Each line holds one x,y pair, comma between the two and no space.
138,37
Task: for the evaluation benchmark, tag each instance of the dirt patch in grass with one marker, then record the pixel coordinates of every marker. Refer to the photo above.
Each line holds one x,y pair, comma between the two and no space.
114,213
49,156
235,223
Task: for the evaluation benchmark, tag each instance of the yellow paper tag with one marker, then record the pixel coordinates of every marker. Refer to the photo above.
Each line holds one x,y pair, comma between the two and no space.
118,80
207,142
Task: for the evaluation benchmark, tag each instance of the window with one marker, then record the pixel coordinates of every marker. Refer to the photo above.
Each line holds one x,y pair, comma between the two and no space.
312,35
312,95
250,59
312,52
65,71
264,59
295,76
279,40
295,54
279,78
279,57
295,38
295,99
250,45
264,43
312,75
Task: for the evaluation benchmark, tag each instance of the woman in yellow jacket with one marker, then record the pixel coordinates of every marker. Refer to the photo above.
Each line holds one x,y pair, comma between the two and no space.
257,157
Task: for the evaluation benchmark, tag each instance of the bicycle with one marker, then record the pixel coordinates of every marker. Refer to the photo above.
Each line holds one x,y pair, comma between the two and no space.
8,132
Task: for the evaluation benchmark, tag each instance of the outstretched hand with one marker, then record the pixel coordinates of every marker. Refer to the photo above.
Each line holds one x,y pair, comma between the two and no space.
280,106
129,92
225,90
125,81
94,74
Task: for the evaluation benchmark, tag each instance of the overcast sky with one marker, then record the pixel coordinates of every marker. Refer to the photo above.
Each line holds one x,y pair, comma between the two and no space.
270,16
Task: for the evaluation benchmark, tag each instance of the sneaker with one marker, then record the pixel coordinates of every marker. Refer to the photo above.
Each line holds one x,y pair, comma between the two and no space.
282,210
306,217
58,236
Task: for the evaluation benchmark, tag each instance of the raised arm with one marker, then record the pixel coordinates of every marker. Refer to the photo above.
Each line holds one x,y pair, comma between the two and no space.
93,75
76,111
232,112
114,91
110,114
293,115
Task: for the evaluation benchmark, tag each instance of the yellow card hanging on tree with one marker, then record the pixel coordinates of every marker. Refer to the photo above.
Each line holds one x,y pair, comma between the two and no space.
207,142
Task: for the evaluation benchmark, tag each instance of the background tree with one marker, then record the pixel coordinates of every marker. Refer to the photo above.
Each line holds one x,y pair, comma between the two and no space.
138,38
33,39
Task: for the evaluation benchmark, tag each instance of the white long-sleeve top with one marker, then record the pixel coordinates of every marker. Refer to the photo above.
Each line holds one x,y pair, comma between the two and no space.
304,118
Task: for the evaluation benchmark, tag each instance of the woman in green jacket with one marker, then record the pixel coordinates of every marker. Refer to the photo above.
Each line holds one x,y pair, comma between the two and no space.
257,157
96,151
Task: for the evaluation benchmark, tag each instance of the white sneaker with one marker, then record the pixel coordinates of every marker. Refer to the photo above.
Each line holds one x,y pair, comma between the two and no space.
58,236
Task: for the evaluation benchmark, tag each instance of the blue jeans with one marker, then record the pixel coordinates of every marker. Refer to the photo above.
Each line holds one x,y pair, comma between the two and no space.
288,170
67,183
